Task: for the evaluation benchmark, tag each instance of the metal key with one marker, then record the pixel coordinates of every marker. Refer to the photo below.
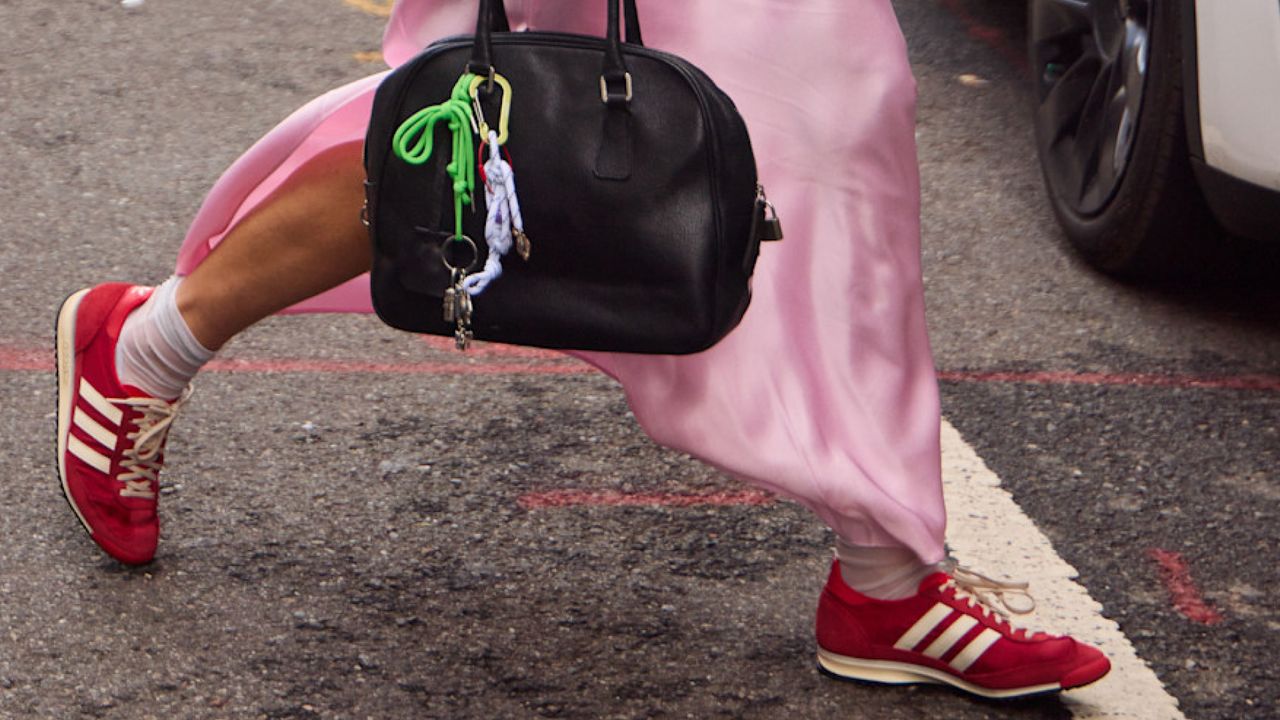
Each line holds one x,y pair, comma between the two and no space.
463,305
462,339
450,305
459,254
462,334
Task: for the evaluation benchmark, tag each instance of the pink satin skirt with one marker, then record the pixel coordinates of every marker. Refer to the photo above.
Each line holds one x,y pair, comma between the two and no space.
826,393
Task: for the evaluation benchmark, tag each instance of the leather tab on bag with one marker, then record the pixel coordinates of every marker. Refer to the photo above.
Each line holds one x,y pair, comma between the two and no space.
613,160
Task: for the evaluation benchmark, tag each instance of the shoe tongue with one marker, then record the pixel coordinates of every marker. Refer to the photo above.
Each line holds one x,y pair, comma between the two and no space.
933,581
133,391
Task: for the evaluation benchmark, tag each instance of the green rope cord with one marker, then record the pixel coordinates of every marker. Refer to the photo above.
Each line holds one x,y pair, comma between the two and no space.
414,139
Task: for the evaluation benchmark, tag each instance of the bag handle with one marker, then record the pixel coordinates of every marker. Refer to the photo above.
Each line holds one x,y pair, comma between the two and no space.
499,23
615,81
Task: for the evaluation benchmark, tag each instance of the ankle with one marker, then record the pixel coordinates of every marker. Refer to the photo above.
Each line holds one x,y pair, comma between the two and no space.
882,573
156,351
203,326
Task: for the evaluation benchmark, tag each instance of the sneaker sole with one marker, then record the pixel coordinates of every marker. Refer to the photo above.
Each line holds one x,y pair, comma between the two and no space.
65,351
888,672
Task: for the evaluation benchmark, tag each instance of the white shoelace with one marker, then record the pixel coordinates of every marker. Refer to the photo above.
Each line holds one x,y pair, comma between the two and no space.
991,596
141,463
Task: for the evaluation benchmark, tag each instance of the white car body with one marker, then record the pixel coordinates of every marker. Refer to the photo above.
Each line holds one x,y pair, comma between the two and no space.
1238,60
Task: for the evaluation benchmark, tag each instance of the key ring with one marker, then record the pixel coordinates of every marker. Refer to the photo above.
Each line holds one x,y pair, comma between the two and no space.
503,113
454,244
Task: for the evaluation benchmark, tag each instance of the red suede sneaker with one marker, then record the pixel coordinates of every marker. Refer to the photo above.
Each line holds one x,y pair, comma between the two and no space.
950,633
110,437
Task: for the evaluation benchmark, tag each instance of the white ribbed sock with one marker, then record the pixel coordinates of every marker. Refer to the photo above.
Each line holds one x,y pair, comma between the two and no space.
884,573
157,352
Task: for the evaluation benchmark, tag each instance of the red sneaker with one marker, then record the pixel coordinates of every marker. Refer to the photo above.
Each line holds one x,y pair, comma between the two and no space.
947,633
110,437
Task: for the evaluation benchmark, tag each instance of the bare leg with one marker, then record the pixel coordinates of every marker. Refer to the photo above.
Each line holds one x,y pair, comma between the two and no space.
306,238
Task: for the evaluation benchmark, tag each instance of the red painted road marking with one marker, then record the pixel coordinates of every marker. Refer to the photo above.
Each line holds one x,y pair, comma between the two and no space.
1228,382
1176,576
993,38
614,498
548,362
419,368
487,350
17,360
12,359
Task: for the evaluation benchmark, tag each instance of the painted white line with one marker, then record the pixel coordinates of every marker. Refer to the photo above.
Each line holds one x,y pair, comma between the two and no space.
989,532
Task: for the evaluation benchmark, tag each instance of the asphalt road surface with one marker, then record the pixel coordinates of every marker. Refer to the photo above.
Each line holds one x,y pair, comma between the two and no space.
362,524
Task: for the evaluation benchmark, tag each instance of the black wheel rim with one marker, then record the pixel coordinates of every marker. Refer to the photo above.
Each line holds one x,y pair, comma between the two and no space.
1090,58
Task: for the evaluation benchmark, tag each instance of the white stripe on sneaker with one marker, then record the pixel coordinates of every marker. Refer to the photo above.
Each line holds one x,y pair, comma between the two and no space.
950,637
100,403
974,650
94,458
104,436
922,627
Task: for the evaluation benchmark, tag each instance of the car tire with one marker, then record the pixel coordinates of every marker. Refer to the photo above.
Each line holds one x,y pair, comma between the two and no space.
1111,133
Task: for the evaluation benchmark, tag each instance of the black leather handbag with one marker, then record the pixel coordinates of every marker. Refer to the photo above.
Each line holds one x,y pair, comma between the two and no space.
635,177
